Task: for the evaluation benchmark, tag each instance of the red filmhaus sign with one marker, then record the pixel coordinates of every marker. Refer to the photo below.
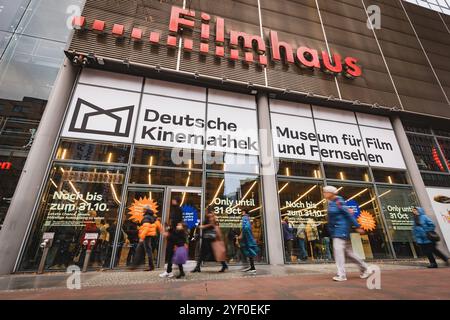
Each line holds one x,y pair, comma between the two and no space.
252,44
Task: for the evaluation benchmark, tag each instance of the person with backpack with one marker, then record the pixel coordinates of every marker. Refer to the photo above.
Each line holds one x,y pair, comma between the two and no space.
340,220
426,237
147,233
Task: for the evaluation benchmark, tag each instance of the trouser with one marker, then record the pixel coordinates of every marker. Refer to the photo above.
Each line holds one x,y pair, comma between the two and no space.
326,243
341,249
144,246
289,249
302,249
430,250
169,255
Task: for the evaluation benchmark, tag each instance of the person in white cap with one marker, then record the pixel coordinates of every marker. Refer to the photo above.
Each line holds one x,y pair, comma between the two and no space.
340,221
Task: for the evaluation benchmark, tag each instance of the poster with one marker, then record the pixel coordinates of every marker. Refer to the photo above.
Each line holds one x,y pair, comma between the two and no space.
440,200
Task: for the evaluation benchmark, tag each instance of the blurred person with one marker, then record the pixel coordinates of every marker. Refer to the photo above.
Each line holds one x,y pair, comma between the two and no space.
288,235
175,217
180,256
212,243
423,226
247,242
340,220
301,238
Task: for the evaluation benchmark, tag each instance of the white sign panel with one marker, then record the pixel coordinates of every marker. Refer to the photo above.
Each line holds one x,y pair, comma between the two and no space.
232,130
334,142
171,122
102,114
440,200
294,137
382,143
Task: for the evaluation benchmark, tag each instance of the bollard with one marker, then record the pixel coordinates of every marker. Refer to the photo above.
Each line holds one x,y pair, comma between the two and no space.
87,257
46,246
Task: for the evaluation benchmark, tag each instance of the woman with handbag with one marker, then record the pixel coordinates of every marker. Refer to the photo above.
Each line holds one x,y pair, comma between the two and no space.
426,237
212,243
180,256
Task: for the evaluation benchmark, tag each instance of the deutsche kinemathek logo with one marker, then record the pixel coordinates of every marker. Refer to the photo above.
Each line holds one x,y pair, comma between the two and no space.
89,118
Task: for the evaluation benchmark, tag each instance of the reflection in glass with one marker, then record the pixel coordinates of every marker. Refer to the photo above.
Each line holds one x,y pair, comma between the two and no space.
10,13
231,162
226,196
113,153
346,173
391,177
164,157
166,177
397,204
298,169
436,180
79,202
444,145
426,153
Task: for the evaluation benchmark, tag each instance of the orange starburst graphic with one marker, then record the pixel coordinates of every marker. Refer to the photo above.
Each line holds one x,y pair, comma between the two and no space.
136,210
366,221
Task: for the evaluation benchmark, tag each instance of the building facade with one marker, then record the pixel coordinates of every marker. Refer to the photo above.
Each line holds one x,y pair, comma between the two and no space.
238,106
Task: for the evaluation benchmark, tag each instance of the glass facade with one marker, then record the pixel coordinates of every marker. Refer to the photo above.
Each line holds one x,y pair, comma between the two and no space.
33,34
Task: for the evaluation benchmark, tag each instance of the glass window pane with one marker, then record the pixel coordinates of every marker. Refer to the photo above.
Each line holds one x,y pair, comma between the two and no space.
426,153
4,40
298,169
384,176
114,153
166,177
418,127
436,180
79,202
347,173
17,133
444,144
397,207
232,162
11,12
50,19
227,195
29,68
163,157
303,221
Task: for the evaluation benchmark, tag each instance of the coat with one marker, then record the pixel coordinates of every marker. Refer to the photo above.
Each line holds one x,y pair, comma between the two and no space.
420,229
150,227
288,231
248,244
218,246
340,219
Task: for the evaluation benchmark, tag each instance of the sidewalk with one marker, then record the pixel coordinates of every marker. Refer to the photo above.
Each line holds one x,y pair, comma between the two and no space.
398,281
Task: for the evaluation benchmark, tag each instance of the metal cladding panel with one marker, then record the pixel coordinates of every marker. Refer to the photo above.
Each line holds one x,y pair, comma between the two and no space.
238,17
346,29
298,24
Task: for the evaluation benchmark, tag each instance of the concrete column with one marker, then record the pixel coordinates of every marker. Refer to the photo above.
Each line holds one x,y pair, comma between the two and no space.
416,177
27,191
269,182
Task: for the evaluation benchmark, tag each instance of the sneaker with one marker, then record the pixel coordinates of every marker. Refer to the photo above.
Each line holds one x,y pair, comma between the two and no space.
339,278
251,271
246,269
365,274
166,274
432,266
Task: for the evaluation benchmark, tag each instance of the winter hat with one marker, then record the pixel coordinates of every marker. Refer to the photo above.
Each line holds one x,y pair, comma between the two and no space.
330,189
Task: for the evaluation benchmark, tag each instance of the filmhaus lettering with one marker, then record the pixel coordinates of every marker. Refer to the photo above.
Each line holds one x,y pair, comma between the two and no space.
331,154
253,46
189,123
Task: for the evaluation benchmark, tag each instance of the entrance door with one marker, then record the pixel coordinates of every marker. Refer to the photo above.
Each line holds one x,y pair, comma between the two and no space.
190,202
137,200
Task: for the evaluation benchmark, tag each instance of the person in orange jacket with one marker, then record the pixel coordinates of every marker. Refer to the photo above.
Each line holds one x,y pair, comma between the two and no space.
147,232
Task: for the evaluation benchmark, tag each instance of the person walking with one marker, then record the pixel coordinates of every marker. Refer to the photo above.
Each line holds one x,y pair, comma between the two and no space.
180,256
175,217
248,244
212,243
147,232
340,220
423,235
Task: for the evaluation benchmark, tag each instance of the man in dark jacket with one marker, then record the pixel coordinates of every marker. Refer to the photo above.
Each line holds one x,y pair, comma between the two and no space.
340,220
175,217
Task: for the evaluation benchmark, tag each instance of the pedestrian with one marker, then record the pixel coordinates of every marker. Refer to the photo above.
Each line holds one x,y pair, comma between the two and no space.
301,238
175,217
340,220
426,238
248,244
180,256
147,232
288,235
212,243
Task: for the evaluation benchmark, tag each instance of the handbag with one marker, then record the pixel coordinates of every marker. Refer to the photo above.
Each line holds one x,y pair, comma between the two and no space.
433,236
180,256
